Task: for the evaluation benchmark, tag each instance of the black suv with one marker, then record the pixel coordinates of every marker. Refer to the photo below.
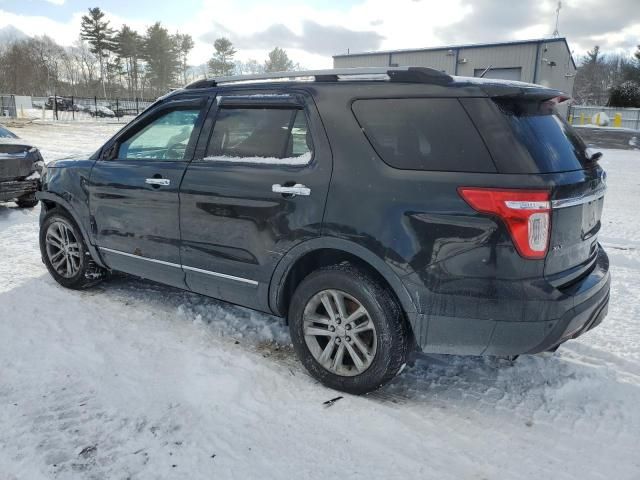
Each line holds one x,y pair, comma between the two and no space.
378,210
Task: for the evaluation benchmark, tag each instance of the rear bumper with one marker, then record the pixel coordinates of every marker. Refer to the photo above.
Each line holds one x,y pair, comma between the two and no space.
14,189
575,310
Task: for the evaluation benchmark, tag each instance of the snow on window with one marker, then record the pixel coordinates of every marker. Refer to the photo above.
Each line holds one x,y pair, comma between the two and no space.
303,159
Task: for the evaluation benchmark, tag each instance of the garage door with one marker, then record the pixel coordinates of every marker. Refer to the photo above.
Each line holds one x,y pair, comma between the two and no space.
514,73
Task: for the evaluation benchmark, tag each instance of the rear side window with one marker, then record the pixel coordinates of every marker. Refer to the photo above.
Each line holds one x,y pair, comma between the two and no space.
260,135
423,134
527,135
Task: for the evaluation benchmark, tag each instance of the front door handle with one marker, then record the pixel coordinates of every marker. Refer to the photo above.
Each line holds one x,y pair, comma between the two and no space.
158,181
297,189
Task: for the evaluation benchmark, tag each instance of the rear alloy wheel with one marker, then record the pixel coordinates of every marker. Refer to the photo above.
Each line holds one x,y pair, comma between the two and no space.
339,333
347,329
65,254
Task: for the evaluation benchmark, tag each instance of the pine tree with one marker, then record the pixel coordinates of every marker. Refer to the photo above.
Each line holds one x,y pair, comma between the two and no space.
96,31
128,46
162,56
222,61
185,45
279,61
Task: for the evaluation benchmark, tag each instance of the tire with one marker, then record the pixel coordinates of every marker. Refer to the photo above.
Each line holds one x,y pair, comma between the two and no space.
27,201
388,340
84,272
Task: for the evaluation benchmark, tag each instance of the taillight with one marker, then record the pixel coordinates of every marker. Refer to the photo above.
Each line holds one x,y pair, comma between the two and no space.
525,212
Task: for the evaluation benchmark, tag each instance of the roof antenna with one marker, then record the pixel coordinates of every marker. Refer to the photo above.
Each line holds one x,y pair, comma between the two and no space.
556,33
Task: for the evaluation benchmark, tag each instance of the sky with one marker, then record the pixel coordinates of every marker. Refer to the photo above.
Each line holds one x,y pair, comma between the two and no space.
313,30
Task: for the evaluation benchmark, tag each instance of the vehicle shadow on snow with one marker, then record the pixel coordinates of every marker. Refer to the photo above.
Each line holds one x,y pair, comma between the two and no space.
575,373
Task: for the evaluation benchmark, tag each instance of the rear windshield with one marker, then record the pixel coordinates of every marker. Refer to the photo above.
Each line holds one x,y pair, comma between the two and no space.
423,134
527,136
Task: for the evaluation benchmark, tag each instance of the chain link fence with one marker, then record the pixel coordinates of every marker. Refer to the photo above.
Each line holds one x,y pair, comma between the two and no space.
58,108
7,106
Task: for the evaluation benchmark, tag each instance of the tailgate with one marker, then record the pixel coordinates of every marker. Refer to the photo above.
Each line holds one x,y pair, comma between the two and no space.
575,223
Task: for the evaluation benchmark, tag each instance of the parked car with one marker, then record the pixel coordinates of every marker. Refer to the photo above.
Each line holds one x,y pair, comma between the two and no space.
101,111
377,210
95,110
62,104
20,168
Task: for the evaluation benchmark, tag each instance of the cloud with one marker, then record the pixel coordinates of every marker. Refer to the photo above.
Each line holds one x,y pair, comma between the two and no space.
583,22
311,33
56,2
315,38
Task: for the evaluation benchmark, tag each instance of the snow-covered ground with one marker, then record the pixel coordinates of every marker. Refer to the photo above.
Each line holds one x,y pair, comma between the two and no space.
136,380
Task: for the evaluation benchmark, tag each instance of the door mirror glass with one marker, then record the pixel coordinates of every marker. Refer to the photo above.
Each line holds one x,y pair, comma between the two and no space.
164,138
278,136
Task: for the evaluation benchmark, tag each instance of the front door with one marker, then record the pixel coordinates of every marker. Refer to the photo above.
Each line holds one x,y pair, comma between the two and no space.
257,187
133,191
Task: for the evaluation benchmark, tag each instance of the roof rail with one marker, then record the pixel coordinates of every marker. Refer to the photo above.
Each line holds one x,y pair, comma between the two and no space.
393,74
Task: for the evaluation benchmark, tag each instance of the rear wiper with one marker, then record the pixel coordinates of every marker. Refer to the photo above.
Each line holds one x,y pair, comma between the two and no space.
593,157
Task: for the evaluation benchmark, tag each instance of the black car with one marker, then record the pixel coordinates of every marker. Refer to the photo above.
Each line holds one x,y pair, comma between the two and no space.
20,167
60,104
378,210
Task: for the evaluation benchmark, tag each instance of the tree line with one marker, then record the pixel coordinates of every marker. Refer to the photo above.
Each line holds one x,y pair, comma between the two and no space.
608,79
110,63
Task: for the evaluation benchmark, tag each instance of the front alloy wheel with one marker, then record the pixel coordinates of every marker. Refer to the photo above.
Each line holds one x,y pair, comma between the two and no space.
63,249
64,252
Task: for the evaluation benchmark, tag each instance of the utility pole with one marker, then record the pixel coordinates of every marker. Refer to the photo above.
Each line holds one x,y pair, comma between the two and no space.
556,33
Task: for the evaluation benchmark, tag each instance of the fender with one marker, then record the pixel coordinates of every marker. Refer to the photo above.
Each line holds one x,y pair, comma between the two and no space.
55,198
289,259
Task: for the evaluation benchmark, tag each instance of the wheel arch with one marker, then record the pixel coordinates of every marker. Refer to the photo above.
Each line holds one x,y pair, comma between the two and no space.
313,254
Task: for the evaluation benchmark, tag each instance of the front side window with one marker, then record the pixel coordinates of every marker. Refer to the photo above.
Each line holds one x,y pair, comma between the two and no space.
260,135
165,138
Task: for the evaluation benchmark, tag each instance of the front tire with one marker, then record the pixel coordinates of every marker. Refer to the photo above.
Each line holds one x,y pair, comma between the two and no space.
65,254
347,329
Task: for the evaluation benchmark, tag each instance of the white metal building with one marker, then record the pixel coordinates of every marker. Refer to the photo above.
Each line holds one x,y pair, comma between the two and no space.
544,61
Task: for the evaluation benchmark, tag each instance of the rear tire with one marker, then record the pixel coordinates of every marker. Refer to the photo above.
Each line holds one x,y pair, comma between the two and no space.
65,254
27,201
347,329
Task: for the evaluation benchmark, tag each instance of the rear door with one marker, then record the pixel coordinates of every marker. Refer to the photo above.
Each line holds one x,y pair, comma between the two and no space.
133,191
526,136
256,188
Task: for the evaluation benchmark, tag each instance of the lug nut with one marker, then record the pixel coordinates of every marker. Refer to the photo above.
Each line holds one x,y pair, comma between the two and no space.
348,339
348,327
338,321
332,328
338,340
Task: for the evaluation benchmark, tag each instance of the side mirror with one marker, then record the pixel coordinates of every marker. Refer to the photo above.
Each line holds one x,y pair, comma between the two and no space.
110,153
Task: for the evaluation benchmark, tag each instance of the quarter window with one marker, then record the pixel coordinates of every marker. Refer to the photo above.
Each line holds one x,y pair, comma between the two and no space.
423,134
260,135
165,138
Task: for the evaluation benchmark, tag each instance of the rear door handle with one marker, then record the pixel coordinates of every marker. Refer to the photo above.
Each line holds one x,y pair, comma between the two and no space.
158,181
297,189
